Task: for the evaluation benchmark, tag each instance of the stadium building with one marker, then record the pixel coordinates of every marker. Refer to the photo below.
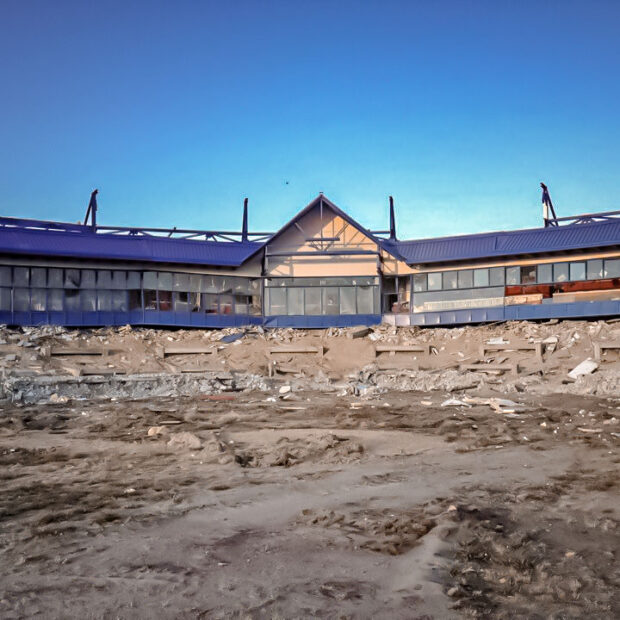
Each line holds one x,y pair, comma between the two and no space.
320,269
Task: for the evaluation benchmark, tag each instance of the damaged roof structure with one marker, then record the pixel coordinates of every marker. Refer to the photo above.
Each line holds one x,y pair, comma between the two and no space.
321,269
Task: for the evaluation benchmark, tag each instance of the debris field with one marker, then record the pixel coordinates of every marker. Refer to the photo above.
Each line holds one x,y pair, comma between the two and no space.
346,473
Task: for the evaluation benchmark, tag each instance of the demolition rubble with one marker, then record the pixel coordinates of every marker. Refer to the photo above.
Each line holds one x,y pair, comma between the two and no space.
48,363
358,472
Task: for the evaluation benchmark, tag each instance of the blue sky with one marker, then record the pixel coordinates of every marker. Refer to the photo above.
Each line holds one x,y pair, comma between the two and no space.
178,110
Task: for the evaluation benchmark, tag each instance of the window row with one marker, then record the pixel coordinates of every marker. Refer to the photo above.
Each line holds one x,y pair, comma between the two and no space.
90,300
328,300
547,273
57,278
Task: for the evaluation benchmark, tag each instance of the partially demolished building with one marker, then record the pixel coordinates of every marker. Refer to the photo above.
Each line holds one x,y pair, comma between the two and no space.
321,269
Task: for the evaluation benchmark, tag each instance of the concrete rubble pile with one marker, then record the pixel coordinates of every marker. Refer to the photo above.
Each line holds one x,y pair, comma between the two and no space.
39,364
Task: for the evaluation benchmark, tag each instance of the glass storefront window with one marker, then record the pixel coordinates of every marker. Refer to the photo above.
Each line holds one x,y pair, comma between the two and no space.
55,298
365,300
295,301
481,277
312,303
560,272
89,300
5,276
104,279
419,282
347,300
513,275
277,301
38,299
104,301
21,299
164,281
21,276
5,299
466,278
450,280
181,282
38,277
528,274
612,268
72,300
88,278
331,303
434,281
545,273
594,269
577,271
497,276
54,278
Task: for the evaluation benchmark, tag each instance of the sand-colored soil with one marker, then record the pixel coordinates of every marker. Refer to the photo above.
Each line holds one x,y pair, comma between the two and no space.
318,505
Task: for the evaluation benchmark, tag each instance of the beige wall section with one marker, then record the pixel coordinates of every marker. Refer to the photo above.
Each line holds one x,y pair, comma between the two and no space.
310,234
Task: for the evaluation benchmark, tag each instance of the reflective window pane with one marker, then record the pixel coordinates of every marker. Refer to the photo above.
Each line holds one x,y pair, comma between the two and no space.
104,301
54,278
38,277
119,301
560,272
5,299
72,278
365,300
481,277
331,304
347,300
119,280
545,273
72,300
181,282
104,279
419,282
277,301
164,281
89,300
594,269
466,278
21,299
497,276
528,274
434,281
21,276
55,298
5,276
295,301
312,300
612,268
38,298
88,278
577,271
133,279
208,303
513,275
450,280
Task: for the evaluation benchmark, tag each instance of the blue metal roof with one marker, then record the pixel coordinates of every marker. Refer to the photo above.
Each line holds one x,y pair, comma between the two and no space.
88,244
506,243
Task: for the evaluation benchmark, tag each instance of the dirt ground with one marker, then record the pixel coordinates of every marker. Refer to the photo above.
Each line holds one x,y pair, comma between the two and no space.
246,505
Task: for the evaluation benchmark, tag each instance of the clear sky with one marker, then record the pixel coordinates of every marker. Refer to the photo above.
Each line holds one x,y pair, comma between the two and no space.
178,110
